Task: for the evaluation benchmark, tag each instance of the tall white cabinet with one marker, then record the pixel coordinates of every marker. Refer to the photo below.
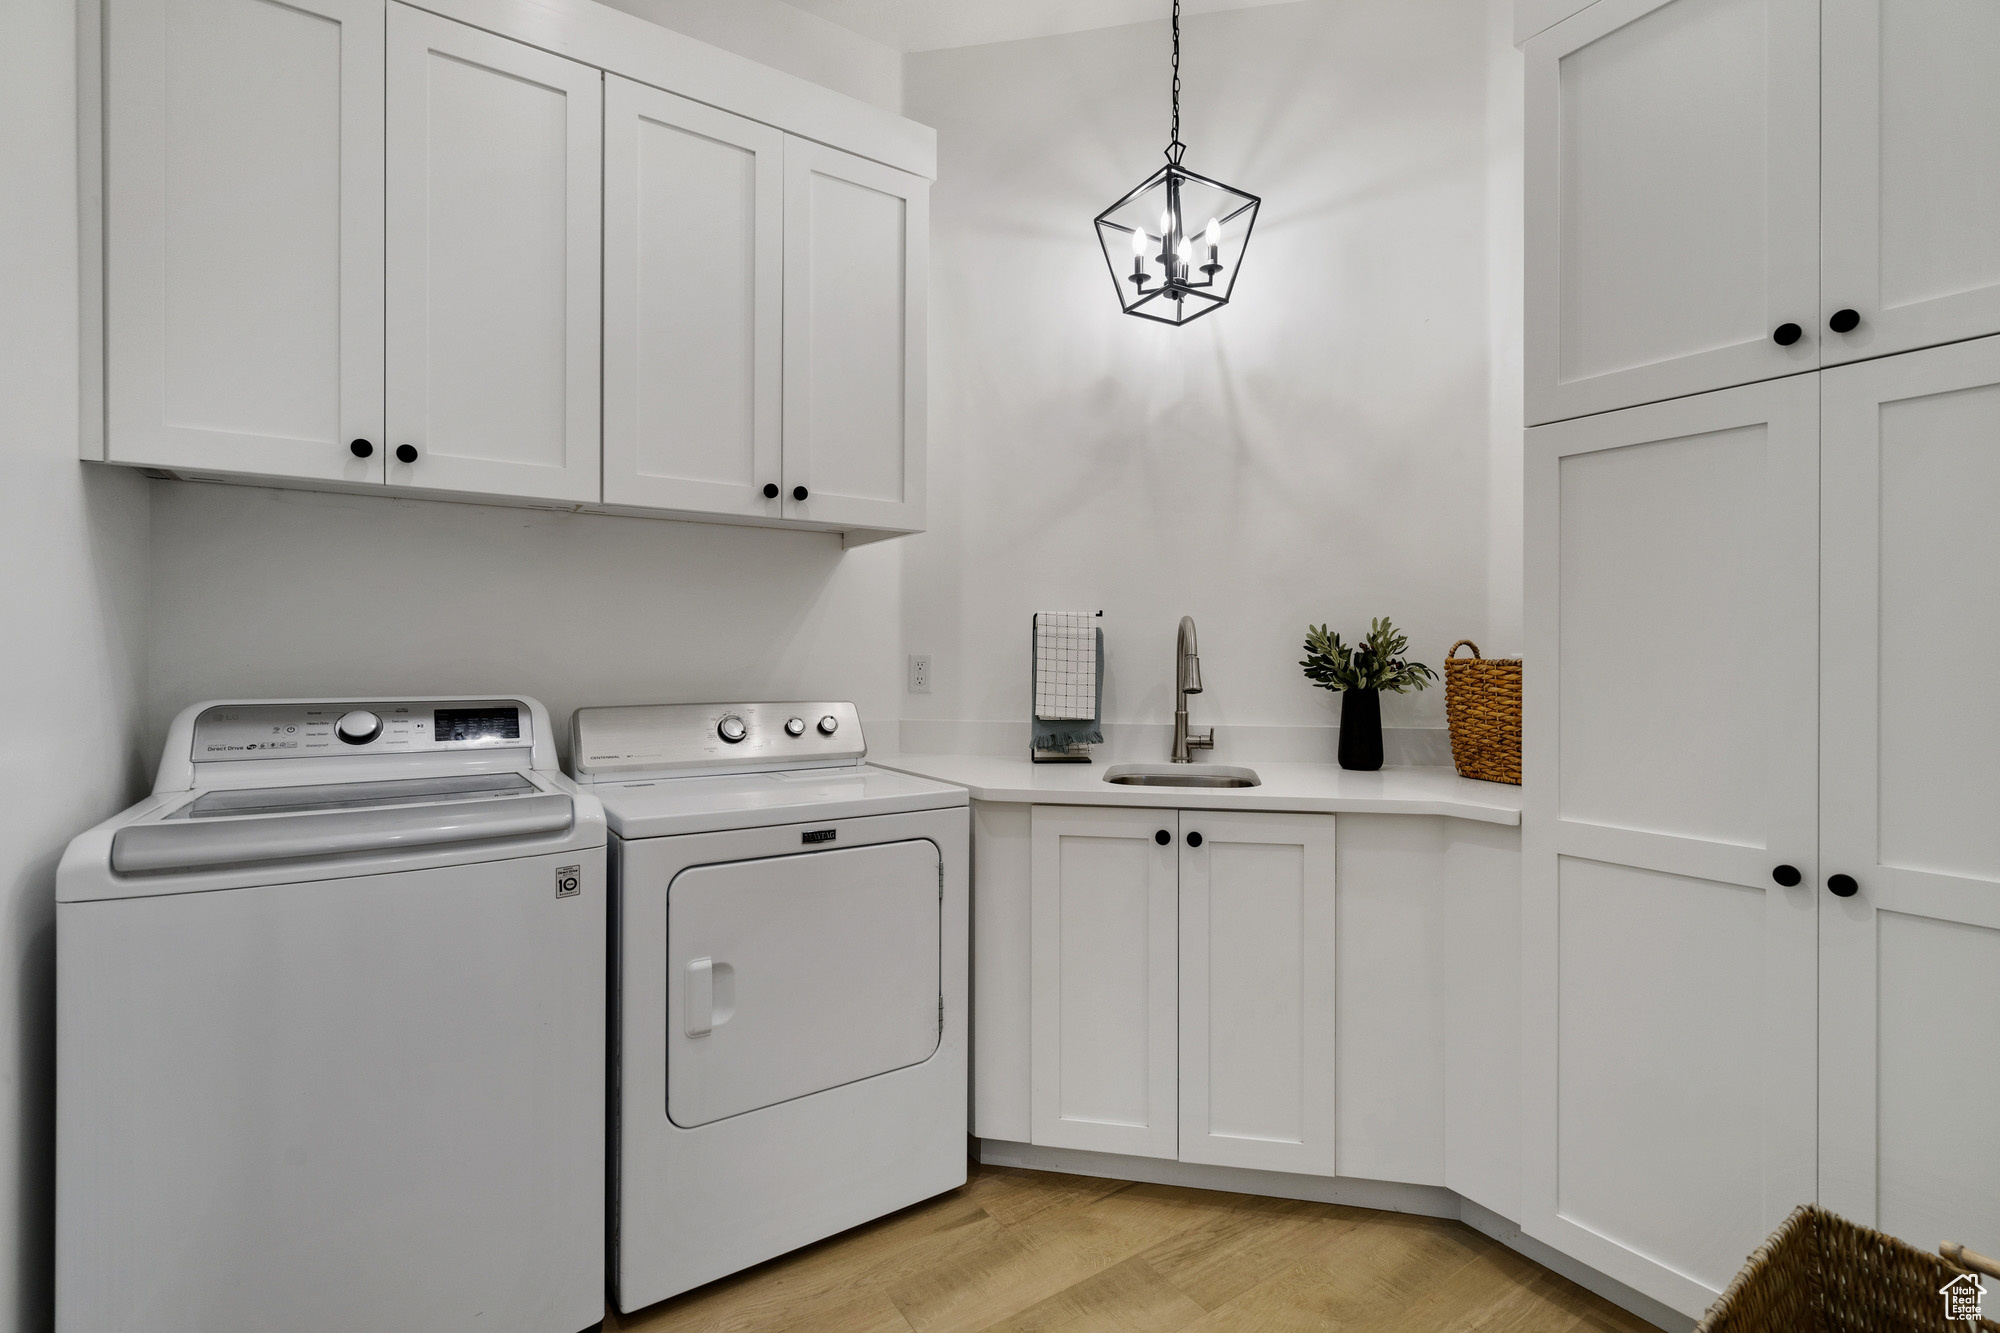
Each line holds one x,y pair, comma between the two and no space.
1761,861
1722,191
570,259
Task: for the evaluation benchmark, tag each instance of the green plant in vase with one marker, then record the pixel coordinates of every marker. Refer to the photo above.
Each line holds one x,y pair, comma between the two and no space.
1360,674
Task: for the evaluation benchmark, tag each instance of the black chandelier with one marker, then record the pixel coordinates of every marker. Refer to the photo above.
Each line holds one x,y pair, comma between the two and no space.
1148,247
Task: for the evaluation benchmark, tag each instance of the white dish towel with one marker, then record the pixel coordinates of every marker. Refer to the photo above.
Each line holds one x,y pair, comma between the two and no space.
1065,666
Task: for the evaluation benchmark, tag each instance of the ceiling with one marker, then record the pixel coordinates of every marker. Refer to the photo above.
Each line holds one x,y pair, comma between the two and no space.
929,25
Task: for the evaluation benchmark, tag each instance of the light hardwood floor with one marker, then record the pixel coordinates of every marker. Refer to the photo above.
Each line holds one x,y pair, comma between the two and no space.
1031,1252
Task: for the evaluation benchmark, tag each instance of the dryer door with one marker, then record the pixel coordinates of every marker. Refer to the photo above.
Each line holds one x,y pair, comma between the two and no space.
793,974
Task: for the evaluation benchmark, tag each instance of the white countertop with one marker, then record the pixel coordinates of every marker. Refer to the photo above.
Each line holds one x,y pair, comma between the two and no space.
1318,788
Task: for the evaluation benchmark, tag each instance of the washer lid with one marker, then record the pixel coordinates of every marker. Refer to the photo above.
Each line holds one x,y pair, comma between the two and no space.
662,807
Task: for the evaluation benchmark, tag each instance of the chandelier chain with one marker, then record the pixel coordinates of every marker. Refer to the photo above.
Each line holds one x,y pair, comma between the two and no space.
1175,148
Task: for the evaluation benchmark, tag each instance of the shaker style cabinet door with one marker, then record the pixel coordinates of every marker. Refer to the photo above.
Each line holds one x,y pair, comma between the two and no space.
494,170
1911,174
694,219
1669,908
1909,984
243,236
1673,187
856,256
1102,961
1257,990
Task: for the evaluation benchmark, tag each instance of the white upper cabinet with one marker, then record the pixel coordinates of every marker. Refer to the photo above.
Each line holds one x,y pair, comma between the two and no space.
1103,959
243,236
856,260
1723,191
1912,173
494,161
1910,1137
1669,951
1673,187
694,221
1257,990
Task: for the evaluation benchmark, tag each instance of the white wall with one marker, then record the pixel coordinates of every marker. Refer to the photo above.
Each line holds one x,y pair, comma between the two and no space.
268,593
72,575
777,34
1328,447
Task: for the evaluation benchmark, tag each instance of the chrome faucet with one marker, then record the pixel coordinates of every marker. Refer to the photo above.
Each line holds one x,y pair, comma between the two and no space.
1187,680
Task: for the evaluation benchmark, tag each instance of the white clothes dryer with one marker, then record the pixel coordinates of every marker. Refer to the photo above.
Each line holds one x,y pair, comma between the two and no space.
330,1030
790,984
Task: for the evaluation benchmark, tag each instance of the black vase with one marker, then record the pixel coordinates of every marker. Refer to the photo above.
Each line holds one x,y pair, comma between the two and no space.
1361,730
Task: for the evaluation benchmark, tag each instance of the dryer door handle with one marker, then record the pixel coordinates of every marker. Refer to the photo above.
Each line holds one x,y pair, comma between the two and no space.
700,992
711,996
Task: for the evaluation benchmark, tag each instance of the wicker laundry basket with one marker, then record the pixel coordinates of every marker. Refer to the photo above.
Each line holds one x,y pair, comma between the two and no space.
1482,704
1820,1273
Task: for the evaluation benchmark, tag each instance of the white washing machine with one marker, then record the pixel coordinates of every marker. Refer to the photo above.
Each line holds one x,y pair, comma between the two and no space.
330,1030
790,955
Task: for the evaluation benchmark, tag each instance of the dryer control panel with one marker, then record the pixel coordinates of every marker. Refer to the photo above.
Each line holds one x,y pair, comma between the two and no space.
621,743
326,730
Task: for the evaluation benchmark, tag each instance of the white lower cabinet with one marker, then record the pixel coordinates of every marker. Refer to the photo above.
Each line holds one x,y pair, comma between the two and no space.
1183,985
1257,989
1103,989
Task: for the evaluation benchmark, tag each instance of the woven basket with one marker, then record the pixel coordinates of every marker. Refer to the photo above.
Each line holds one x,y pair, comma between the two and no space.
1482,702
1820,1273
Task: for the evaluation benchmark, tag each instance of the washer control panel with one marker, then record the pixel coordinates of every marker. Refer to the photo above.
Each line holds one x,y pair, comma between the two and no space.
692,738
320,730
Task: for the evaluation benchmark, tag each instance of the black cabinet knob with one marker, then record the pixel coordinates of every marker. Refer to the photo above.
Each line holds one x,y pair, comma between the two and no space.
361,449
1788,877
1845,321
406,453
1194,839
799,492
1842,886
1787,334
770,490
1163,837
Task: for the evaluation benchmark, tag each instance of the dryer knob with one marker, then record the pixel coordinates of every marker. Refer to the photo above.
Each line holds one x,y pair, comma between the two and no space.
731,729
358,727
828,725
795,726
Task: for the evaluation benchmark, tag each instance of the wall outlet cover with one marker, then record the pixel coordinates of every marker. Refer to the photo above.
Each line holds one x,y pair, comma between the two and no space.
920,673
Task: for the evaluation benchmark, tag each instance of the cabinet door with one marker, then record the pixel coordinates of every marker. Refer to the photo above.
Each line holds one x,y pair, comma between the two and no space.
856,257
1257,991
1667,977
493,205
1673,200
1102,967
1912,173
1910,679
243,238
694,216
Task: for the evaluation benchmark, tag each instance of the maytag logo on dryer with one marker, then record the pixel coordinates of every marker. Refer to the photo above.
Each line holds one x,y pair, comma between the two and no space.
569,881
818,835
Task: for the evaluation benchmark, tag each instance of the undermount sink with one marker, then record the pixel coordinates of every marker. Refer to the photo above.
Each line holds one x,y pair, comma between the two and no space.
1181,775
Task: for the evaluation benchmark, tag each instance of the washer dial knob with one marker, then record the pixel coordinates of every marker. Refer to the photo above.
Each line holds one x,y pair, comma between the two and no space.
358,727
795,726
731,729
828,725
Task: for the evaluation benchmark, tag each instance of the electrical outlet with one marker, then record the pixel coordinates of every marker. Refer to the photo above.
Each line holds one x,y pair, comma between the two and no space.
920,673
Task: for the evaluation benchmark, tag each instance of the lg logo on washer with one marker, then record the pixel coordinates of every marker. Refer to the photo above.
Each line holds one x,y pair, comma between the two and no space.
818,835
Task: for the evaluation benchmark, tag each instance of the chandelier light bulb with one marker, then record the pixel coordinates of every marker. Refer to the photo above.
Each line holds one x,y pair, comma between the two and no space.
1138,240
1166,223
1214,237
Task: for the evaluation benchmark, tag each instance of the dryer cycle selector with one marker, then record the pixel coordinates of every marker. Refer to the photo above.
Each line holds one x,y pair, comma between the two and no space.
828,725
732,729
795,726
358,727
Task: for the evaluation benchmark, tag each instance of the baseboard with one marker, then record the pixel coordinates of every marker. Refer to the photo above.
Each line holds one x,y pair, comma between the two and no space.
1386,1195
